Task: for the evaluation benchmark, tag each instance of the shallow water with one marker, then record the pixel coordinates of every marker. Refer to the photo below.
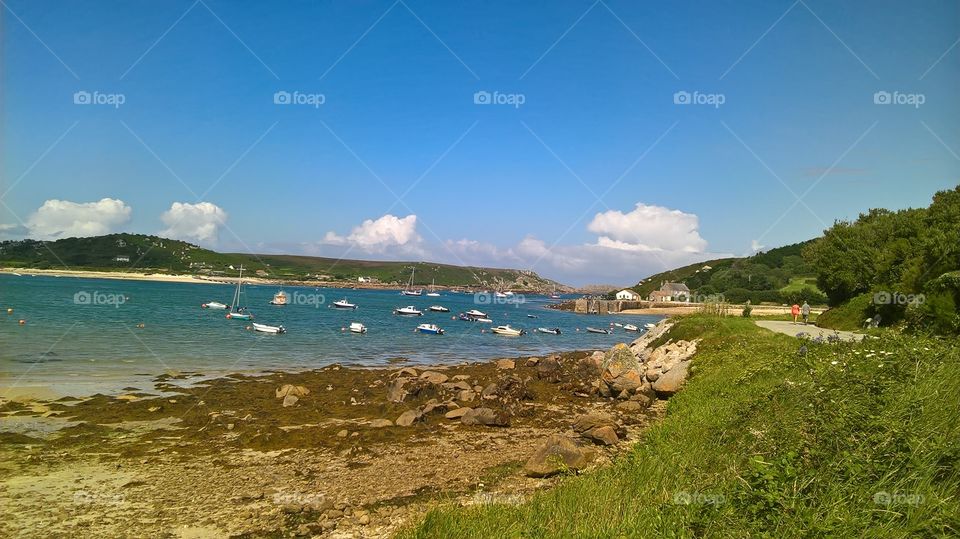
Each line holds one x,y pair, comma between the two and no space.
83,332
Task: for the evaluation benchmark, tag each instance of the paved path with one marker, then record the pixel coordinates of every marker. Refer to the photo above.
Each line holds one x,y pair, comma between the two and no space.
789,328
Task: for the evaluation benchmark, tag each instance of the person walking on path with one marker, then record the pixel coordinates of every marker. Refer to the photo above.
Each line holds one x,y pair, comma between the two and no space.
805,310
795,311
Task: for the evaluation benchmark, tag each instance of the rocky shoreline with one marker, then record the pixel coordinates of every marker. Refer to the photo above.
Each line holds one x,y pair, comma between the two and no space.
332,452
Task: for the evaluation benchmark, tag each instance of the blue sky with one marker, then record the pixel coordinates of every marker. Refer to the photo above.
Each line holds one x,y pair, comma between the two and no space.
598,130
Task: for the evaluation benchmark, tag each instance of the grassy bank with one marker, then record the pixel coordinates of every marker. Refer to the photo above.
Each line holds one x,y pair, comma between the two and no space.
846,440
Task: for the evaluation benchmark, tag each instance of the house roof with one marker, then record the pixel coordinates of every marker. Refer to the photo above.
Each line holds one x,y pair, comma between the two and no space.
674,287
659,294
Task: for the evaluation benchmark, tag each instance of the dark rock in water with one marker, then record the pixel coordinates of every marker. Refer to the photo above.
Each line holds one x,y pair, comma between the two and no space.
549,369
409,418
487,417
558,454
671,381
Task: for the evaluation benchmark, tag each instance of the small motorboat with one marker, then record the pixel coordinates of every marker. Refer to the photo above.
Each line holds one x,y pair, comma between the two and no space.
598,330
409,310
630,327
486,320
500,295
263,328
432,329
466,318
508,331
476,314
532,316
552,331
280,298
357,327
215,305
344,304
439,308
240,315
649,326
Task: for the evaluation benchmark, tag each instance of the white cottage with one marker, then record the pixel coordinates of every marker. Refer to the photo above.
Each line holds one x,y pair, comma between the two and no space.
628,295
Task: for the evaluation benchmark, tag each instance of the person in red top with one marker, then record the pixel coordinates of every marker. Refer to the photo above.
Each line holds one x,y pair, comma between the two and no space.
795,311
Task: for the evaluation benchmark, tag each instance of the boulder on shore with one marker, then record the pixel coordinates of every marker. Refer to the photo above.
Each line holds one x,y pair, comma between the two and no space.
599,428
558,454
458,413
549,369
434,377
671,381
486,416
409,418
506,364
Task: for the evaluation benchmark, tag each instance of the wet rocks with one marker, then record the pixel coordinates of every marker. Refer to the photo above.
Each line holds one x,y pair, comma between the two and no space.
409,417
558,454
457,413
434,377
548,369
487,417
599,428
506,364
290,389
396,393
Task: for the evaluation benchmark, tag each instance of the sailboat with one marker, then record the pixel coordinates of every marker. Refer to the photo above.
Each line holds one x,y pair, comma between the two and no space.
237,312
409,291
433,289
280,298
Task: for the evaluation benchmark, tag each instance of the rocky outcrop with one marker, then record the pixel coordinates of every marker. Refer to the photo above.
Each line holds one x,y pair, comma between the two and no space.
409,418
599,428
558,454
486,416
548,369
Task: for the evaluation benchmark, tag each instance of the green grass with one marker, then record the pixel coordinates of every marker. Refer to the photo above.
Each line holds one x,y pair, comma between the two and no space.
765,442
849,316
800,284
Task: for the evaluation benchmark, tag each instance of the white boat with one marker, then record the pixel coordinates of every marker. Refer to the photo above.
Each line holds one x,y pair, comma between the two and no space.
263,328
237,312
214,305
552,331
433,290
409,291
486,320
408,310
18,275
344,304
429,328
649,326
280,298
630,327
598,330
357,327
475,313
508,331
500,295
439,308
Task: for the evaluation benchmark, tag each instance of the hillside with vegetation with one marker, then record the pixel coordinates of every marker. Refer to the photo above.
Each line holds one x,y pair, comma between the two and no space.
780,275
152,254
901,265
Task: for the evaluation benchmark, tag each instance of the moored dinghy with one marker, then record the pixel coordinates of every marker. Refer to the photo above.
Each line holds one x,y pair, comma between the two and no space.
598,330
439,309
344,304
409,310
552,331
357,327
263,328
214,305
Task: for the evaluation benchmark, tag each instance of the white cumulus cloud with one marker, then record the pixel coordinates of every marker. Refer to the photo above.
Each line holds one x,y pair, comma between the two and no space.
377,236
198,223
57,219
648,228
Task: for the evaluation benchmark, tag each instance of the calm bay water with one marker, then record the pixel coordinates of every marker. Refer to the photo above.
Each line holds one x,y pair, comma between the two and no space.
64,342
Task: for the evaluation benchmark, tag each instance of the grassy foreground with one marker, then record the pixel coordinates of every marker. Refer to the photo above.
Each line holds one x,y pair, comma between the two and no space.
847,440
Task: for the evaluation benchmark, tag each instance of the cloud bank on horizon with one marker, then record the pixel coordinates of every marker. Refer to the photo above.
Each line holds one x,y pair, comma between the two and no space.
628,245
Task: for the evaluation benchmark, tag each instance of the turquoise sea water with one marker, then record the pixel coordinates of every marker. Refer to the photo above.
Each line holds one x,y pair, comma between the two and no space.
81,330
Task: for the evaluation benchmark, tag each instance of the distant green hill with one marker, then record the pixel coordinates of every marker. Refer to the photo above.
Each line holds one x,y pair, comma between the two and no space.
779,275
152,254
